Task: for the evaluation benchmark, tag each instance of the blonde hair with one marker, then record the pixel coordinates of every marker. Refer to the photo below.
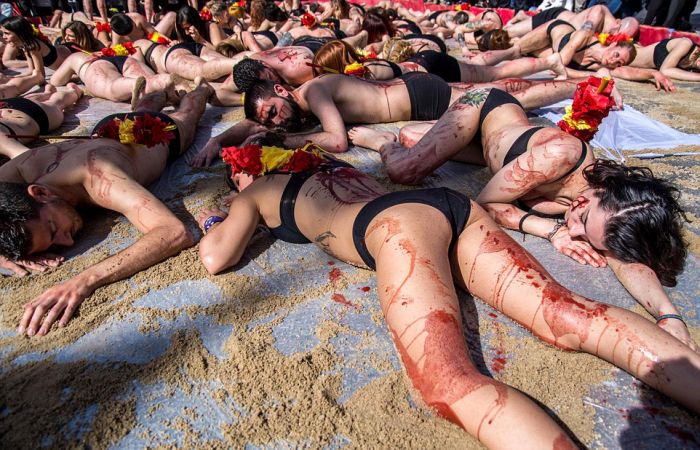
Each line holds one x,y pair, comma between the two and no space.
230,47
397,50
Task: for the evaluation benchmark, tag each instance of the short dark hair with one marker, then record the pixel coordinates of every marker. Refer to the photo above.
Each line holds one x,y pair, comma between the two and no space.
246,72
274,13
258,90
646,222
121,24
461,18
17,207
190,16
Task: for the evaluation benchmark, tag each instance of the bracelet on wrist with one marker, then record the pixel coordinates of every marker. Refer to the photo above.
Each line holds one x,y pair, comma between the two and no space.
522,221
211,220
670,316
557,227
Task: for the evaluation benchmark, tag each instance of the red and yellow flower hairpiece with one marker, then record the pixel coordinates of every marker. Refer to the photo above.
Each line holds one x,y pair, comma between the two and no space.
592,103
308,20
613,38
145,130
103,26
206,14
158,38
463,7
125,49
259,160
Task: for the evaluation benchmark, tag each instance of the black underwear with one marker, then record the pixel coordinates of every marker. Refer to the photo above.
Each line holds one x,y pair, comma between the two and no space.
339,34
429,95
288,231
395,69
29,108
428,37
555,24
410,26
495,99
434,15
332,23
228,31
661,53
573,64
455,206
51,57
117,61
313,43
268,34
546,16
440,64
192,47
173,146
519,147
147,57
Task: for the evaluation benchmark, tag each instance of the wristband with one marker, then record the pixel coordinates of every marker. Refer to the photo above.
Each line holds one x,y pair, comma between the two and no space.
522,221
211,220
670,316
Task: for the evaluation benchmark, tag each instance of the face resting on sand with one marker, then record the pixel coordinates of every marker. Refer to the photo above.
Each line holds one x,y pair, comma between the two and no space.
586,220
614,57
56,224
279,111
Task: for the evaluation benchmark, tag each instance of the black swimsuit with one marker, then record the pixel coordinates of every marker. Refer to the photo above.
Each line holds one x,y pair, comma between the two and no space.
117,61
546,16
661,53
565,40
268,34
313,43
173,146
429,95
51,57
410,26
147,57
455,206
440,64
288,231
192,47
29,108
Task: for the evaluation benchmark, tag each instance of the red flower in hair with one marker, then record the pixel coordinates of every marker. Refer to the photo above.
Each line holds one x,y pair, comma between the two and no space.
205,14
103,26
151,131
108,51
243,159
110,130
308,20
302,161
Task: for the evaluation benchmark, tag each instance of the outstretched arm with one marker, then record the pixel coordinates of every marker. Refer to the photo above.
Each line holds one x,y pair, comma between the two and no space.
163,236
638,74
233,136
643,284
333,138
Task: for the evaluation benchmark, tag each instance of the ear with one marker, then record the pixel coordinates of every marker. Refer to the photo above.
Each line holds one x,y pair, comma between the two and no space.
40,193
281,91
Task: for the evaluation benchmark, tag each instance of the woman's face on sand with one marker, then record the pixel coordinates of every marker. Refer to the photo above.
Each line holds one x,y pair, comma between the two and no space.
69,36
9,37
614,57
586,219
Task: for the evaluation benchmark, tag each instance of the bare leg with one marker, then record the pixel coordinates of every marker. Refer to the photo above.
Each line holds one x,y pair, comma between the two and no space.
370,138
518,68
524,291
53,103
359,40
166,25
419,302
493,57
190,110
87,6
536,39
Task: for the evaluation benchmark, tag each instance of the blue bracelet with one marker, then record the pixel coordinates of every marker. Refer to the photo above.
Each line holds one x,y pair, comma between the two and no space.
669,316
211,221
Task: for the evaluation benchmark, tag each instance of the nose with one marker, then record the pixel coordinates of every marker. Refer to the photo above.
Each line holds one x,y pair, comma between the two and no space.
64,239
575,229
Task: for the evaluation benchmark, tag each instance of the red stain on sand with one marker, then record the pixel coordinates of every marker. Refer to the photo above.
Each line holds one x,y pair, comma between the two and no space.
335,275
340,298
365,288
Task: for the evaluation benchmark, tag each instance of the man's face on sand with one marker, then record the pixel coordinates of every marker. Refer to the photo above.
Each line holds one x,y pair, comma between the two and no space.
57,224
279,112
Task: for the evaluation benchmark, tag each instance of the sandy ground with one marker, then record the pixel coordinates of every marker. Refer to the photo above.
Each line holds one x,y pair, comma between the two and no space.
289,350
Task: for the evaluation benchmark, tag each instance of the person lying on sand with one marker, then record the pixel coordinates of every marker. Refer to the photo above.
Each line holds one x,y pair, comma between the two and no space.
41,189
421,243
336,100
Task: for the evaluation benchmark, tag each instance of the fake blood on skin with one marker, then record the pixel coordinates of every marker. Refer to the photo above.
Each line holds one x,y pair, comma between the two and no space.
447,375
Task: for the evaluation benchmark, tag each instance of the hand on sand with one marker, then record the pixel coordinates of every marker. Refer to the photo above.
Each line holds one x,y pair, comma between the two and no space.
37,263
207,213
207,154
680,331
663,82
59,301
579,251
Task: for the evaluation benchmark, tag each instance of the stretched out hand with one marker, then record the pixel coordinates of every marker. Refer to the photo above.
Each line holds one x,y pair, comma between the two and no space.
38,263
207,154
662,81
678,330
59,301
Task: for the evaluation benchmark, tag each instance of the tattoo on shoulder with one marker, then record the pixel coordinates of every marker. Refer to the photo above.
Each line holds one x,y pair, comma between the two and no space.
474,97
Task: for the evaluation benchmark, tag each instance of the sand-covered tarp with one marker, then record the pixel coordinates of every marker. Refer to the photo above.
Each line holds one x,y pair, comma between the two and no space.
289,349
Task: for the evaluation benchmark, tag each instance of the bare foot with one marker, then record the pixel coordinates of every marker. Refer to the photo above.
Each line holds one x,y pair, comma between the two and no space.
75,88
370,138
136,92
557,66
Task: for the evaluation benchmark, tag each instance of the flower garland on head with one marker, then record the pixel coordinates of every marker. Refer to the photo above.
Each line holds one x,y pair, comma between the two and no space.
103,26
463,7
206,14
366,54
259,160
308,20
355,69
145,130
125,49
592,103
158,38
613,38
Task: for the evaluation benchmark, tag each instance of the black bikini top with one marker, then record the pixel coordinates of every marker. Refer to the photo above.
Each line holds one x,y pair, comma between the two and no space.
288,231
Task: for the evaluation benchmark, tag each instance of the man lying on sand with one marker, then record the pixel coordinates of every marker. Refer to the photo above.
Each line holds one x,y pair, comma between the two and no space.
41,189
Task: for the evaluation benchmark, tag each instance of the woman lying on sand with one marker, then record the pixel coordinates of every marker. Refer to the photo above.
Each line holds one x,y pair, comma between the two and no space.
421,243
678,59
548,183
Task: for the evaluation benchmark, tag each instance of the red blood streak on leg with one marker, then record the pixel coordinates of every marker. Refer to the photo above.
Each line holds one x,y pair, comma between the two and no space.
407,247
447,374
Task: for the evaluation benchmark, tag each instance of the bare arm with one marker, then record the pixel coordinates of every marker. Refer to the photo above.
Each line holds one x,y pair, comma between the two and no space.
333,138
233,136
224,245
163,236
643,284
